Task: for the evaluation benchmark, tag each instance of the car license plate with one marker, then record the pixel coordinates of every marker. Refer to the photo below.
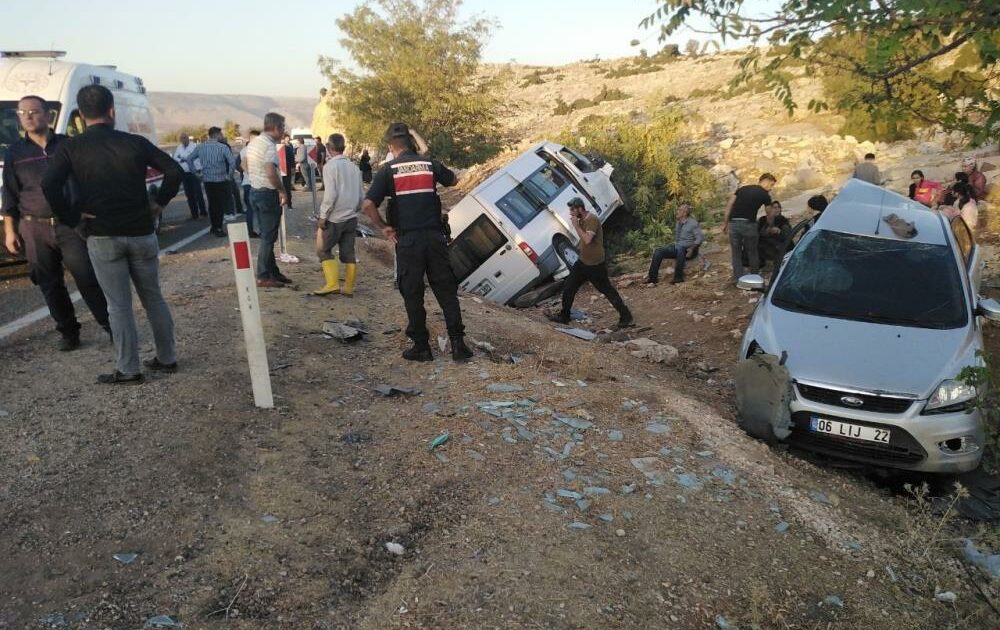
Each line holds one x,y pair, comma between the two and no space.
853,431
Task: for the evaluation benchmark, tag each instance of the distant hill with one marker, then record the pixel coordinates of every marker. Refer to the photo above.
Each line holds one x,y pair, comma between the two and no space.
176,109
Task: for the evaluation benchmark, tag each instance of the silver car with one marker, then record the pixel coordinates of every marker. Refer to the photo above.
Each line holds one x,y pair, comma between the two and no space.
856,346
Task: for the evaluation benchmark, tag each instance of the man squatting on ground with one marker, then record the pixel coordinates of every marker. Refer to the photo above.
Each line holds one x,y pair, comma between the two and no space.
592,266
109,167
741,222
48,242
410,182
687,239
337,223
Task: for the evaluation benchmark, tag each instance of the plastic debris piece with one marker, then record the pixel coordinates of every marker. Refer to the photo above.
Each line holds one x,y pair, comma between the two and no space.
947,597
689,481
583,505
576,423
782,527
833,600
650,467
269,518
439,440
988,562
607,518
579,333
356,437
569,474
503,388
595,491
395,390
441,457
125,558
343,332
579,525
705,453
568,494
628,488
162,621
665,451
493,500
657,428
431,407
615,435
474,455
727,475
57,620
724,624
395,549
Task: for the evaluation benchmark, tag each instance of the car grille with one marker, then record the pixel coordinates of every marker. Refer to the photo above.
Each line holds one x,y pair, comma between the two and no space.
877,404
903,448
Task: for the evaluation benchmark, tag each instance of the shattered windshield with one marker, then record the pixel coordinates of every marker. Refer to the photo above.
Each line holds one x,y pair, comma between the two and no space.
900,283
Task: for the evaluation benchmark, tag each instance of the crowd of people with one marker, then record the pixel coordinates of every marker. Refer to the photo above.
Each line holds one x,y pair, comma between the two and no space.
82,202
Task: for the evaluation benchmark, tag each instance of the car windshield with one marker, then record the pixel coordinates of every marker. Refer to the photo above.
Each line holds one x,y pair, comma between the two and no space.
899,283
10,130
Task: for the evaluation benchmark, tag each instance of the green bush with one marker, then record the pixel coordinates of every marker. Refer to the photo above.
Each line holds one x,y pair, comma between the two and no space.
535,78
614,94
704,92
656,168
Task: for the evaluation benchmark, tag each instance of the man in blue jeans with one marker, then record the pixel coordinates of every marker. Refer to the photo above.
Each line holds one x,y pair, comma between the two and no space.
268,197
109,168
687,239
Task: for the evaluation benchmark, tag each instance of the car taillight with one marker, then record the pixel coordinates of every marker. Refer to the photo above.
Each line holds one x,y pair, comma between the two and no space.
530,253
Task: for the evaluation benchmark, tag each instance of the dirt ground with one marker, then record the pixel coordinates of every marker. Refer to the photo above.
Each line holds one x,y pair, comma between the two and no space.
580,487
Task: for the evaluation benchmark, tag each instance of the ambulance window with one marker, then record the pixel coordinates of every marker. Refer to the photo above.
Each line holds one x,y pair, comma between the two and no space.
520,205
474,246
75,125
546,183
578,160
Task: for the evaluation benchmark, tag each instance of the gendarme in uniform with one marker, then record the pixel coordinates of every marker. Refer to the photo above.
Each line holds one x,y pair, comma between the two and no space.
410,183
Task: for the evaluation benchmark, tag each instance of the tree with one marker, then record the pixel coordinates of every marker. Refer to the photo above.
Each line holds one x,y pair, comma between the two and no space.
901,48
417,64
195,132
231,130
692,47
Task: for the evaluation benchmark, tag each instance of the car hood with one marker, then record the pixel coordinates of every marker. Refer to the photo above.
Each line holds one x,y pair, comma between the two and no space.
863,355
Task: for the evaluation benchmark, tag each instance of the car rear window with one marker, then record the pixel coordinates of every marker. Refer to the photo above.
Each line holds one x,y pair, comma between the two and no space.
878,280
474,246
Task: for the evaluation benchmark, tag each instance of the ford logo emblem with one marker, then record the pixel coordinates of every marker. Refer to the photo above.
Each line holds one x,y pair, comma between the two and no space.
852,401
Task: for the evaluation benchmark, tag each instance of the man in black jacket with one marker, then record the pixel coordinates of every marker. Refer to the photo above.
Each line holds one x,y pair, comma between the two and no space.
48,244
109,167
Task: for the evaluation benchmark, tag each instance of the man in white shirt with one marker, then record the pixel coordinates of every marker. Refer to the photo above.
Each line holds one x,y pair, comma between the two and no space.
192,185
245,183
337,223
268,196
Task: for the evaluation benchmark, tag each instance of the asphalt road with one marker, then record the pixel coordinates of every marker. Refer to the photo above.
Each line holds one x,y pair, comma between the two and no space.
18,296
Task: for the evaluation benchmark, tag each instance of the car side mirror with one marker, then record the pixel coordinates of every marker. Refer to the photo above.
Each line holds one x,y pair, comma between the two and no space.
988,308
596,160
754,282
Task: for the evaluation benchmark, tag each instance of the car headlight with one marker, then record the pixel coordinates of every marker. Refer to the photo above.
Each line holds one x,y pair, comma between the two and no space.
951,393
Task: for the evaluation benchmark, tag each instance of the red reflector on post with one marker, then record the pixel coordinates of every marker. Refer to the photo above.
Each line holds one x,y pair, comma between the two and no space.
530,253
241,251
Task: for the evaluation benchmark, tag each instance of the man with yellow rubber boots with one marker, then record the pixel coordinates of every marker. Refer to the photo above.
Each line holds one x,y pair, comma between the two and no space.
337,223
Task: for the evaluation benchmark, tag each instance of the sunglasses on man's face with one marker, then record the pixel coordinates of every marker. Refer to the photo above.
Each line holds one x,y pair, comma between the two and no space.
29,113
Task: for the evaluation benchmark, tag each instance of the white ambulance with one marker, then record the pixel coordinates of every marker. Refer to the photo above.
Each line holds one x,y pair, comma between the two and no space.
513,231
42,73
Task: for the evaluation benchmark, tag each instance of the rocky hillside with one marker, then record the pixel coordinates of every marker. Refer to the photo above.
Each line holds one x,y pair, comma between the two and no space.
743,133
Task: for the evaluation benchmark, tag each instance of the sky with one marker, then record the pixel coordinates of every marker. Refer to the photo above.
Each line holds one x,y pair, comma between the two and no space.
270,47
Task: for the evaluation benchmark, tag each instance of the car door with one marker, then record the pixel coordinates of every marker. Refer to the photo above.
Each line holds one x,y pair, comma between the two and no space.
597,181
575,188
483,256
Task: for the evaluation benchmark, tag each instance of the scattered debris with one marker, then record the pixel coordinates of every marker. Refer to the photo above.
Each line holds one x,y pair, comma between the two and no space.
782,527
125,558
395,549
162,621
724,624
657,428
579,525
430,408
439,440
579,333
503,388
650,467
356,437
988,562
947,597
689,481
568,494
343,332
833,600
615,435
395,390
269,518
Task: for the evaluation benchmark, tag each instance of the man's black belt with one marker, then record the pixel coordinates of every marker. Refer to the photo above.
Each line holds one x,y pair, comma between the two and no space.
33,219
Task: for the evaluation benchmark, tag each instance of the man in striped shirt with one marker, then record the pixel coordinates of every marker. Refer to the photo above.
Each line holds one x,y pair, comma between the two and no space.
217,166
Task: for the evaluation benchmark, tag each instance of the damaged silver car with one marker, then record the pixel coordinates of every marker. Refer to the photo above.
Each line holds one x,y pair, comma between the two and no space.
856,347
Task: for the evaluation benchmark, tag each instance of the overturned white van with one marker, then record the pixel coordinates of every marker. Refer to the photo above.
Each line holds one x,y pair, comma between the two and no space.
513,232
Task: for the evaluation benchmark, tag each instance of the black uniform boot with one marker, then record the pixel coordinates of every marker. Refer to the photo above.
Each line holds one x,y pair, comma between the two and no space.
460,351
419,352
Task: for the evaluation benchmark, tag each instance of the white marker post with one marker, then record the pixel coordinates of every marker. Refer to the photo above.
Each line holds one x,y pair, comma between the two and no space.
253,329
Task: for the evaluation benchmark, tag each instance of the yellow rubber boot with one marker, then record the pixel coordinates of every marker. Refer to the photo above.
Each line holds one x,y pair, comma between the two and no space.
331,272
350,274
